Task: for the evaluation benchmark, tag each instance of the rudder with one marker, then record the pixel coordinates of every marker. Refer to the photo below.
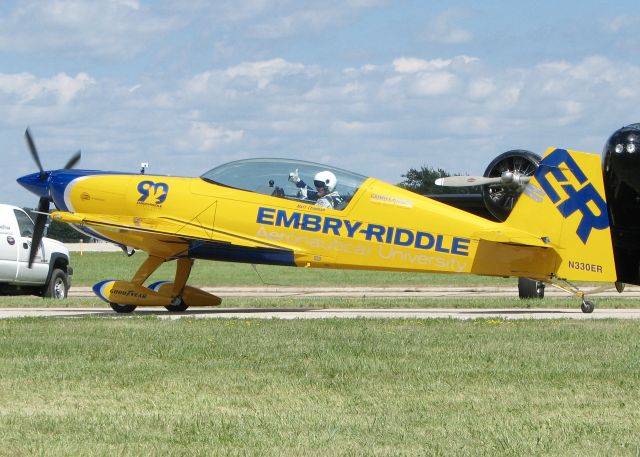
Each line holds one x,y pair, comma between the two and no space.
564,205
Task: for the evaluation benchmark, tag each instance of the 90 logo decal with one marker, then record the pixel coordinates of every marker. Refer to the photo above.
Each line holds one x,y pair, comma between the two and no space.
154,191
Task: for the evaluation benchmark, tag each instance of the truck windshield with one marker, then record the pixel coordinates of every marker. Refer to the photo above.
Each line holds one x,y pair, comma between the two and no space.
25,224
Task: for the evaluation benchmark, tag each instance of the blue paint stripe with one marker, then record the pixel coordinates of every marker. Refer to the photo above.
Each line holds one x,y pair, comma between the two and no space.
156,285
228,253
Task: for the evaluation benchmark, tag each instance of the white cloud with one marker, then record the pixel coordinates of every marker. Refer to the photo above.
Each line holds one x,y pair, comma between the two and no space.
259,73
289,18
455,112
443,28
271,19
415,65
357,128
295,23
392,100
265,71
481,88
436,83
25,87
426,78
206,137
81,27
620,24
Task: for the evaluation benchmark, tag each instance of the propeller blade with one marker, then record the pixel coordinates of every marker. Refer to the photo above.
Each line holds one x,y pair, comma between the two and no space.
466,181
73,160
34,151
38,230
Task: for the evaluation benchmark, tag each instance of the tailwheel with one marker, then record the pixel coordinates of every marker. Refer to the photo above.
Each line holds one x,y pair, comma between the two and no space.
122,308
177,305
587,306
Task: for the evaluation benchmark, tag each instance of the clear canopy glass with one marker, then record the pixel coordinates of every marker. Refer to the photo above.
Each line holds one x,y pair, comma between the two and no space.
271,177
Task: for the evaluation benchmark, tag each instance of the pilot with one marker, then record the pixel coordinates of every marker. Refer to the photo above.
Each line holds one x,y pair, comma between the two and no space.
324,193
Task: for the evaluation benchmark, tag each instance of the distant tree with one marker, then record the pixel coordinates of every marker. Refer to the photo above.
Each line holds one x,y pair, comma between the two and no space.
423,182
62,231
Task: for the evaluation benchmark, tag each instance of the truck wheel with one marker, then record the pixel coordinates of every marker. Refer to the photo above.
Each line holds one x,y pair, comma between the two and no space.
57,286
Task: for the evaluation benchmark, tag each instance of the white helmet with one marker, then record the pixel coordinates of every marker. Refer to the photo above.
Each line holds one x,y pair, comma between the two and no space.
326,179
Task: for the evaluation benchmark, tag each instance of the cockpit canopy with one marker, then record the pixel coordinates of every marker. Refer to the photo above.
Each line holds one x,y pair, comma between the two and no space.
271,177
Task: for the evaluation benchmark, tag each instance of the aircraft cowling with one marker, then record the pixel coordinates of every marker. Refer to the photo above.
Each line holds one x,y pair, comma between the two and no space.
621,170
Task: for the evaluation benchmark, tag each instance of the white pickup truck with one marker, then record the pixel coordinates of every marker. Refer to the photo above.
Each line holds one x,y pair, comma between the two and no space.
50,275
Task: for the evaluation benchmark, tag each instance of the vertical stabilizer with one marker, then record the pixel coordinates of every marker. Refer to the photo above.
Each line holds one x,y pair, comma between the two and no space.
564,205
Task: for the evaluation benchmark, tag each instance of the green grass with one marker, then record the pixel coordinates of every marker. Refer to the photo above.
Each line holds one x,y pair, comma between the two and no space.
300,301
144,386
93,267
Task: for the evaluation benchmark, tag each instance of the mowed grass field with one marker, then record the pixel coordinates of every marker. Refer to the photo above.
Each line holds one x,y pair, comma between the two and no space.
92,267
133,385
145,386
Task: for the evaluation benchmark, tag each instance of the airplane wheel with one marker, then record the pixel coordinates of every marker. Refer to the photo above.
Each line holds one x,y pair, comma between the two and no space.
177,306
122,308
530,288
587,306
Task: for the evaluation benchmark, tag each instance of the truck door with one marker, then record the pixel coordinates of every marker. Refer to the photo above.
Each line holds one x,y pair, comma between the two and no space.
39,271
8,251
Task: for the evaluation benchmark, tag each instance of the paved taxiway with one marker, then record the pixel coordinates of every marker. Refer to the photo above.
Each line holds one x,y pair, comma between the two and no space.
379,292
354,292
311,313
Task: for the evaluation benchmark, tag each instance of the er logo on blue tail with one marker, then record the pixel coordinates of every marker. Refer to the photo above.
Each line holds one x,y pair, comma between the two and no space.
578,199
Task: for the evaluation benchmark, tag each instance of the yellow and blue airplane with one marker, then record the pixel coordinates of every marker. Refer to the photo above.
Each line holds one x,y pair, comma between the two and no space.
260,211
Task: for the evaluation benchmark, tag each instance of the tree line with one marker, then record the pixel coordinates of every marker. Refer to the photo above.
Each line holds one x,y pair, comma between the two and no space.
423,182
61,231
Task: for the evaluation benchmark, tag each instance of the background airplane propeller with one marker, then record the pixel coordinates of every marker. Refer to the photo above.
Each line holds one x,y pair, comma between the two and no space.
467,181
43,203
502,182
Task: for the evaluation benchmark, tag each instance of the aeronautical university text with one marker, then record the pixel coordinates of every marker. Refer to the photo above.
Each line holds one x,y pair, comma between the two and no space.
369,232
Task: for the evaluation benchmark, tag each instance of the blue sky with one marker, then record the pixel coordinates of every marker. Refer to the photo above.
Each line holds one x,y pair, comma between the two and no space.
374,86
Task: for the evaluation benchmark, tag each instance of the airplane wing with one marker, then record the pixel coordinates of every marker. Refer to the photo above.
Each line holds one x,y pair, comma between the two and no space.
152,230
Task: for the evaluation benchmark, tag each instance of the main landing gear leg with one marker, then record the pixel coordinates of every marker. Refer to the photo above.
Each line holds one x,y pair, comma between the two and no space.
183,270
146,269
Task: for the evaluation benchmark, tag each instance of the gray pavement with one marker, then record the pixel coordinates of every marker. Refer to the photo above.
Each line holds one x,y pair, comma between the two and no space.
403,292
311,313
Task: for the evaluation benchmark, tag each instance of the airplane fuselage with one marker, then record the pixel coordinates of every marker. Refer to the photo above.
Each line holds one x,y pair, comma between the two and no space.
382,228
